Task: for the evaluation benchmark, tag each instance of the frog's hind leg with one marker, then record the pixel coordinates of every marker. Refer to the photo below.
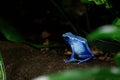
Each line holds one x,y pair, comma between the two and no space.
84,58
80,61
71,60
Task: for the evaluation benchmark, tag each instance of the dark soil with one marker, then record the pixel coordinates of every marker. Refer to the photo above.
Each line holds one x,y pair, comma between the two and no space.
23,62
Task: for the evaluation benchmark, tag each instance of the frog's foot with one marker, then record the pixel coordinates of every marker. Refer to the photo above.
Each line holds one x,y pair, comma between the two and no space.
70,60
80,61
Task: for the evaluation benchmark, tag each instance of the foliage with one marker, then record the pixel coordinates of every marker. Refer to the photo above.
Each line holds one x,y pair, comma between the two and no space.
88,74
99,2
117,59
9,32
105,32
116,22
2,69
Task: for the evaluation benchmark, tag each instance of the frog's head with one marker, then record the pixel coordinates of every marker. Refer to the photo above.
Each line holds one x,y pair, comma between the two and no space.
68,36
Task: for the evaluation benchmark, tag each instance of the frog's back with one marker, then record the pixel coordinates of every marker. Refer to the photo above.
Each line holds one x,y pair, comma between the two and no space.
78,47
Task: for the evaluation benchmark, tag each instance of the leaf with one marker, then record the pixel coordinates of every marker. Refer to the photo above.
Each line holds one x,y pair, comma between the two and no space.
105,32
95,73
2,69
9,32
117,59
105,2
116,22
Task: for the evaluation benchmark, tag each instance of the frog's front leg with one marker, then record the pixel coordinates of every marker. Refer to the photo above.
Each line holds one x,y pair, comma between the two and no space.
84,58
72,57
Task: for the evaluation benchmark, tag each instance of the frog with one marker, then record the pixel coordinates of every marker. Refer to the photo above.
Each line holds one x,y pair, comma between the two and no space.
79,47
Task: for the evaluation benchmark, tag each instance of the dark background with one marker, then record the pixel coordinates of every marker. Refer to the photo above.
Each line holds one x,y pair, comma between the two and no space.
33,17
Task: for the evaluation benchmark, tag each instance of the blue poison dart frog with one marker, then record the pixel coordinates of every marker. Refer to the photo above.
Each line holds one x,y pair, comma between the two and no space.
79,46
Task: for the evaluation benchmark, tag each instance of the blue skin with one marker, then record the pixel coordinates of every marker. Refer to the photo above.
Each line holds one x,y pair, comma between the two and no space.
80,49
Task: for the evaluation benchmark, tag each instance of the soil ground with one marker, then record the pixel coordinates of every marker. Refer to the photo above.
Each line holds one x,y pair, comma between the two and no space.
23,62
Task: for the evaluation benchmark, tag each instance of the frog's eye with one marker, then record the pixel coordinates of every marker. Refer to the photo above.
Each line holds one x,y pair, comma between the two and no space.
64,35
66,38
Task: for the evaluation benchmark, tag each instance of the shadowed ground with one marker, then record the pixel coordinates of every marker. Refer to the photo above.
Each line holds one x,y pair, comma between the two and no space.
23,62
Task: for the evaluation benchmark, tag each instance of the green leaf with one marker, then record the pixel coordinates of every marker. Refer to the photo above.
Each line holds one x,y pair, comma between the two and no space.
105,32
2,69
100,2
9,32
116,22
117,59
76,74
95,73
